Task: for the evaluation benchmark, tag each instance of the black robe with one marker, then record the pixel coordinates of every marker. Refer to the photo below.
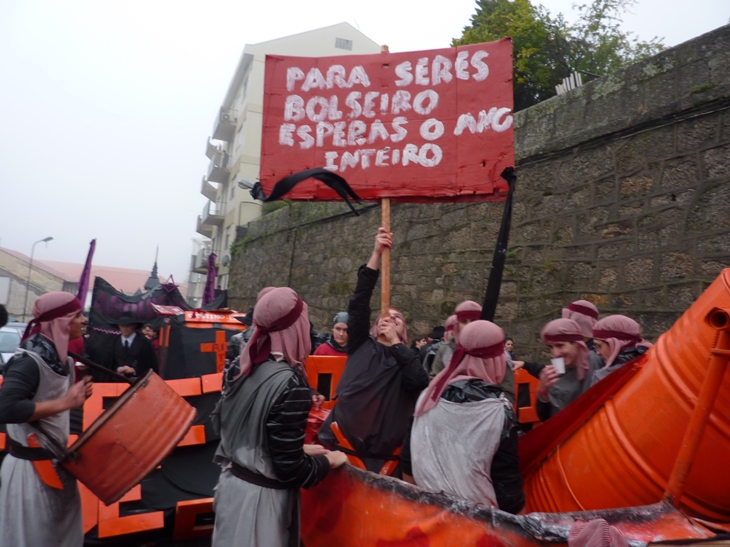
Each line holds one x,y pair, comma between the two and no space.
377,393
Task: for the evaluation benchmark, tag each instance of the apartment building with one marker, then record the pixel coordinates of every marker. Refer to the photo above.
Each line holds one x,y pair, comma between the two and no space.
234,148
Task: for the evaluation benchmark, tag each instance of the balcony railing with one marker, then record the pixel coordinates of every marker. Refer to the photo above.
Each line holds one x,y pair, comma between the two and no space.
208,190
204,229
211,216
211,149
225,125
218,170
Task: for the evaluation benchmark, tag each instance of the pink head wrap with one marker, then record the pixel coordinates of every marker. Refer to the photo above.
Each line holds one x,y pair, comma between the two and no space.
619,332
584,313
52,316
281,325
449,327
480,355
374,329
567,330
596,533
466,311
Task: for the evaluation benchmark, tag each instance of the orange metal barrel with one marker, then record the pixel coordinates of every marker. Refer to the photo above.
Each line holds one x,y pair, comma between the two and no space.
624,454
130,439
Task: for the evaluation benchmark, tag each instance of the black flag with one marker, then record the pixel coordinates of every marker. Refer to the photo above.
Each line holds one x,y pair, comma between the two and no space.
285,185
489,306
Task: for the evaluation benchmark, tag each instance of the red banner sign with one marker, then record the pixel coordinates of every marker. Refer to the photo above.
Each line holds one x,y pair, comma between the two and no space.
418,126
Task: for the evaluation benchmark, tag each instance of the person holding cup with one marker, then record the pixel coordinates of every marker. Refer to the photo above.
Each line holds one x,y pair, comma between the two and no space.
571,370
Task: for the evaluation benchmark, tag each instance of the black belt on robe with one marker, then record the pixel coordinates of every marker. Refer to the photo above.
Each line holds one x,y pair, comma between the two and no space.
258,479
21,452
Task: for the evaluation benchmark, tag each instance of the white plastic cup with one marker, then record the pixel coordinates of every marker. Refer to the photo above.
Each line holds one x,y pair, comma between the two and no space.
558,364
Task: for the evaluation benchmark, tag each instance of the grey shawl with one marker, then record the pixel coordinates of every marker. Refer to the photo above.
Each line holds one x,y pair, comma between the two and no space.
452,446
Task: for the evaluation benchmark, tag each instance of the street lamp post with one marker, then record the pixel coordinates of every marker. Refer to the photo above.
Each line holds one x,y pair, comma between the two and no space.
30,269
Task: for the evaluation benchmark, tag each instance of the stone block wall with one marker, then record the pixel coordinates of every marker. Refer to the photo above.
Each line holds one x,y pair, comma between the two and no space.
623,199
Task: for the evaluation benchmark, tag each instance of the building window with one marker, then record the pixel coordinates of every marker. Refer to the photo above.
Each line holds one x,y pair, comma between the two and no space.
341,43
233,191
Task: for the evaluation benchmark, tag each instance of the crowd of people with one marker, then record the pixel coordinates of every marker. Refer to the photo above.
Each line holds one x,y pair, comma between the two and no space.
454,387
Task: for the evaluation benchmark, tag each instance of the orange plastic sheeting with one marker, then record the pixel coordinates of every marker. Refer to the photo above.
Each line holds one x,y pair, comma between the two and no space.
111,524
185,515
527,414
131,438
345,510
624,454
320,364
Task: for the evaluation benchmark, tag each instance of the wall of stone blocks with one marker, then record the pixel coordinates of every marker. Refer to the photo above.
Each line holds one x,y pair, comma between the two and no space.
623,199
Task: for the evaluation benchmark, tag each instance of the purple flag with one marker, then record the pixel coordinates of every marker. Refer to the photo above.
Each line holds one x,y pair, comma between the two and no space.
86,274
209,291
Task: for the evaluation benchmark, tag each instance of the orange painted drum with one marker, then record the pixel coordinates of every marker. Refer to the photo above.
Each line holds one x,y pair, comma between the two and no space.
130,439
624,454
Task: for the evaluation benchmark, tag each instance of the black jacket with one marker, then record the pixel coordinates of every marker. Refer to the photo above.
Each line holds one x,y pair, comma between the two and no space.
377,393
140,355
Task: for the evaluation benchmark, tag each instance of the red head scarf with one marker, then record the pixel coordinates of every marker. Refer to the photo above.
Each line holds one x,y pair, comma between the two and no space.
619,332
52,316
480,355
466,311
281,325
374,329
584,313
449,327
567,330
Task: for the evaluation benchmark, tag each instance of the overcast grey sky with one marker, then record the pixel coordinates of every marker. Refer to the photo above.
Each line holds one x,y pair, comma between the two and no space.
105,106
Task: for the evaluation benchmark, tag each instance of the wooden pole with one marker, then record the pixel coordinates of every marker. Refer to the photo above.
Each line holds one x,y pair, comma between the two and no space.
385,262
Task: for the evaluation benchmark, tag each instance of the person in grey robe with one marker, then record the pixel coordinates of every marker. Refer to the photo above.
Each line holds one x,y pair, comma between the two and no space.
464,407
262,416
37,394
557,389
